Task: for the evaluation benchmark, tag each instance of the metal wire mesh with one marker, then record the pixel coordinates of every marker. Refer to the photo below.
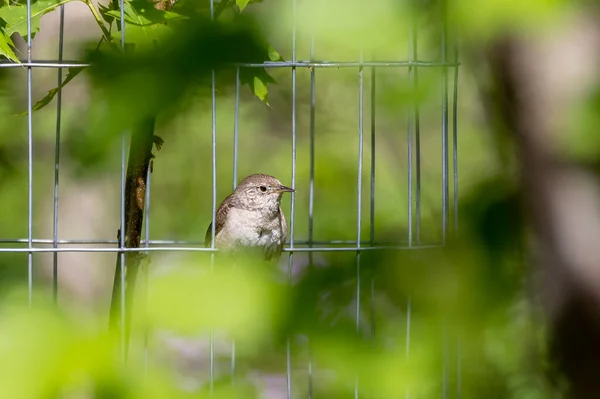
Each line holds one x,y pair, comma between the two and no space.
56,246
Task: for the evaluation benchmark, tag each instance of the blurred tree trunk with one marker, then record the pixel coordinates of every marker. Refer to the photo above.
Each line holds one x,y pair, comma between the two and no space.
534,80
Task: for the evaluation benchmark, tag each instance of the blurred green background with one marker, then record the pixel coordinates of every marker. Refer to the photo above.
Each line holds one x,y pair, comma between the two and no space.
452,321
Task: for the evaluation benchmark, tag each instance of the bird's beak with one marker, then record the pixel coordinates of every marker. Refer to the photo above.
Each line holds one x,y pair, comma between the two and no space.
284,189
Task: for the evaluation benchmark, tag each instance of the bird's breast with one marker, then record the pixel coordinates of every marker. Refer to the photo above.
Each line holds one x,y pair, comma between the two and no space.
250,228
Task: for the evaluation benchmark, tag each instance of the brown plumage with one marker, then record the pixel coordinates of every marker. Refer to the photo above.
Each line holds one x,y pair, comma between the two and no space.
251,217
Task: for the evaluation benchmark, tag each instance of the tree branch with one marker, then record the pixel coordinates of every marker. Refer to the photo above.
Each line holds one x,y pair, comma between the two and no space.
140,155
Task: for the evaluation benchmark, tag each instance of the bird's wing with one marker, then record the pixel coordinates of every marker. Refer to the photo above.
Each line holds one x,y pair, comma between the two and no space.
274,252
220,218
284,227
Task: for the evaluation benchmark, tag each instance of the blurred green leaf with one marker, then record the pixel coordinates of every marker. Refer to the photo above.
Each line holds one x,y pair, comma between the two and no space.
273,54
583,142
16,16
145,83
51,93
344,33
143,36
242,303
487,18
6,43
242,4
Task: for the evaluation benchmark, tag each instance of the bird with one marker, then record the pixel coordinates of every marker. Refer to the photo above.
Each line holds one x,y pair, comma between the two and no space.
250,219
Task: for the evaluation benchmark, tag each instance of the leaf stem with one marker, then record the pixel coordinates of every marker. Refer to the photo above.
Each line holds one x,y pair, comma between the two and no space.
98,19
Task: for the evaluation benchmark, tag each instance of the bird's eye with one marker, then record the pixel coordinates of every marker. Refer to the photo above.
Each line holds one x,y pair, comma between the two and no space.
263,189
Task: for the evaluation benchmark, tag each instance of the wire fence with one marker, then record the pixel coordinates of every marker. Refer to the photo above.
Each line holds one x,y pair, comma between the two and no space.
364,70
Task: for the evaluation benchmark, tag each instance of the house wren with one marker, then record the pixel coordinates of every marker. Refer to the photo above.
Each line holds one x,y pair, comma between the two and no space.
251,218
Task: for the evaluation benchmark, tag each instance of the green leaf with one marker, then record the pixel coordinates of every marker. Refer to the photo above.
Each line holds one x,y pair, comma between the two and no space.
141,12
104,10
259,88
257,79
242,4
6,44
145,25
273,54
51,93
143,37
16,16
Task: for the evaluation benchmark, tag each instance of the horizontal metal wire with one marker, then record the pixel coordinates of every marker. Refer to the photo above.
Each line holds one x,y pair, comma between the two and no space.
201,249
272,64
47,241
44,64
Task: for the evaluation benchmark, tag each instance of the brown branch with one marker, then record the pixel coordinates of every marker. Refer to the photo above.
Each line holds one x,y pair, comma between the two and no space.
140,156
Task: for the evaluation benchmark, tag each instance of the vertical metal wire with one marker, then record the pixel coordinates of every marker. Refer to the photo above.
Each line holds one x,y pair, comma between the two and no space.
214,151
373,123
409,139
236,124
293,199
310,374
408,319
122,246
359,189
359,200
214,195
417,132
413,128
455,137
147,271
372,196
458,370
311,190
293,196
122,231
232,361
445,187
288,368
57,157
372,308
455,164
214,200
414,131
30,161
235,175
445,364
